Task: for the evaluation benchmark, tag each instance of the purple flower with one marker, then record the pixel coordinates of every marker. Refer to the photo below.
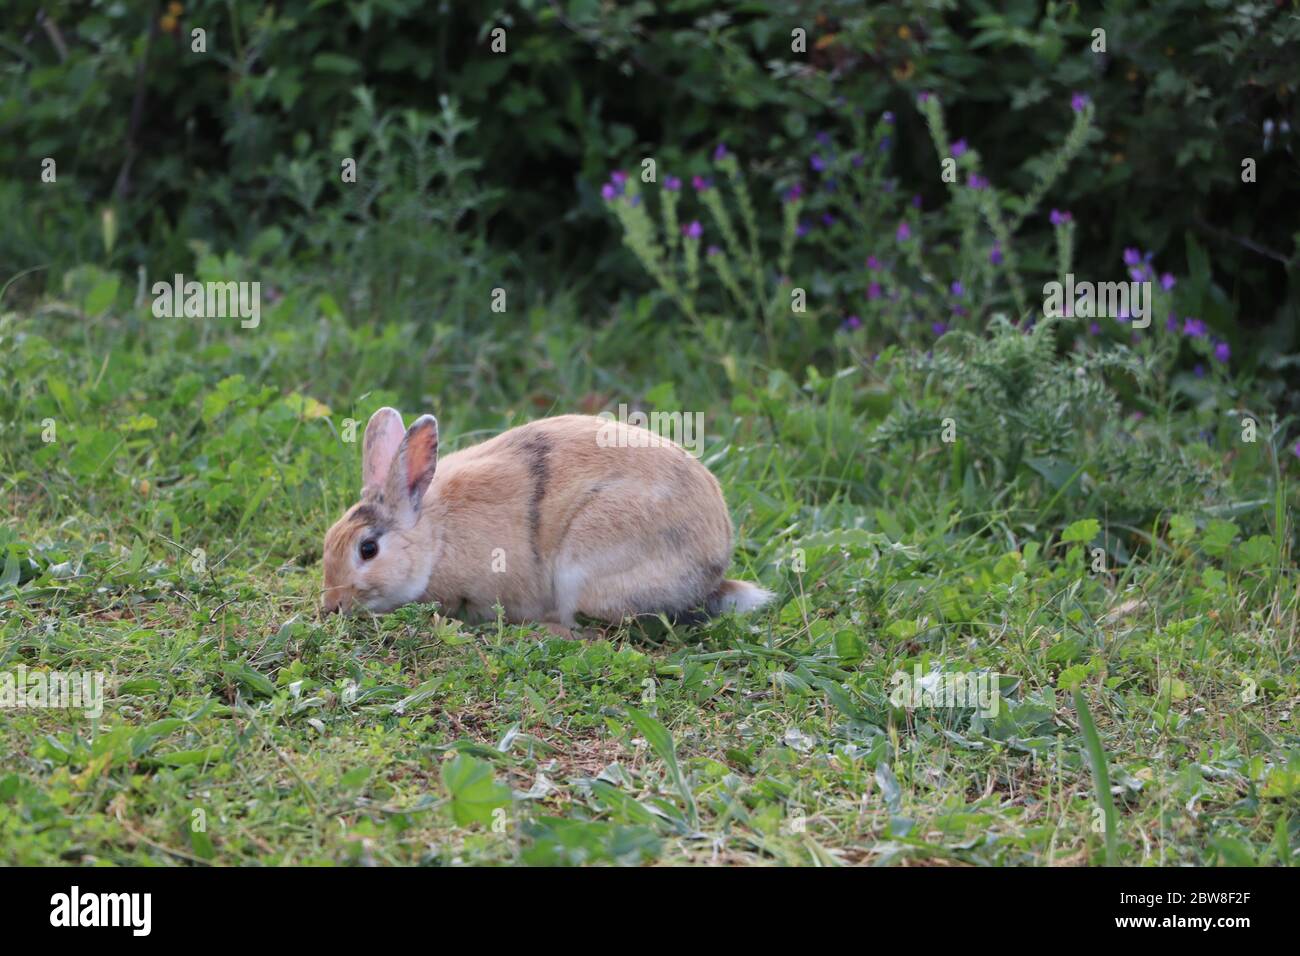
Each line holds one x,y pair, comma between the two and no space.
1194,328
959,148
873,291
720,153
1079,102
801,230
958,289
1198,370
1137,275
634,201
794,193
1295,449
693,230
817,163
923,97
701,184
976,181
619,177
887,117
873,263
828,220
712,251
1094,329
904,232
851,323
1167,281
916,201
672,183
885,143
938,328
1132,256
608,192
1171,323
1222,352
823,137
1059,218
856,160
995,254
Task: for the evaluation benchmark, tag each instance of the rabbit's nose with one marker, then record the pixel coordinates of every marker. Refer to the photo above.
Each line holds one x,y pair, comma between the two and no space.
337,600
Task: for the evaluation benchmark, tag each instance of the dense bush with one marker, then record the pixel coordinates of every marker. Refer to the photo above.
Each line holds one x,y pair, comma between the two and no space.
164,154
186,145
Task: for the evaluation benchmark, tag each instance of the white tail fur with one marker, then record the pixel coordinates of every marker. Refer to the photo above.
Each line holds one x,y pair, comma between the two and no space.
739,596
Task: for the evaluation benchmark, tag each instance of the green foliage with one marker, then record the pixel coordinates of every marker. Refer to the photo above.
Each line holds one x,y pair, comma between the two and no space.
1182,93
744,286
165,483
472,793
169,536
414,213
1008,411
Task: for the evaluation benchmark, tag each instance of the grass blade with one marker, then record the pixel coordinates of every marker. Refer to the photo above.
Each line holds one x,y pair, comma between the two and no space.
1100,775
661,741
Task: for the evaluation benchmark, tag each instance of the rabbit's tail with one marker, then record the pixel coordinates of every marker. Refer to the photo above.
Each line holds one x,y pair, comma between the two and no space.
739,596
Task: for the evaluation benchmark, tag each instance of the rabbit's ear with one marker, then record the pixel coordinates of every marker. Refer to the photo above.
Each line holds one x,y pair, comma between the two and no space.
379,448
415,463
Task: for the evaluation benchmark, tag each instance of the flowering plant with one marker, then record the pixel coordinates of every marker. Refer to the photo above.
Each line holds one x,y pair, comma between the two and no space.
670,251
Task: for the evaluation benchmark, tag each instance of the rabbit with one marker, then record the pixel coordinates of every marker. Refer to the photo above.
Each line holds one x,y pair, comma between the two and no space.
564,516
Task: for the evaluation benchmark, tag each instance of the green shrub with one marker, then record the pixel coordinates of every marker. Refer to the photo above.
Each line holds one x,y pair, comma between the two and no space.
1183,93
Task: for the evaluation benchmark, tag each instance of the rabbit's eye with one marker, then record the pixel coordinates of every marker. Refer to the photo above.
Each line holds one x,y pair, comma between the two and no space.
369,548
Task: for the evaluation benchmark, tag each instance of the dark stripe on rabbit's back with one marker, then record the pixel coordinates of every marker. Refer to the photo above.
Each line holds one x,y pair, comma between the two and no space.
536,448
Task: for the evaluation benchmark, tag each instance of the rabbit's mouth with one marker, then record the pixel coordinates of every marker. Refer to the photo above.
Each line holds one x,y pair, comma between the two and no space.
381,602
336,600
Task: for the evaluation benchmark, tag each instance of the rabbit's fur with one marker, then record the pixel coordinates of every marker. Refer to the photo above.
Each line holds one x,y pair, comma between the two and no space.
560,517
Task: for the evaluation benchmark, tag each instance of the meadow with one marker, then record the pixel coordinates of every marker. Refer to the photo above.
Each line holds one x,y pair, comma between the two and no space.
1090,522
170,538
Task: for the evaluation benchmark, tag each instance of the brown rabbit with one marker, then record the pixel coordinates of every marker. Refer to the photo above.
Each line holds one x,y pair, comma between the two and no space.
564,516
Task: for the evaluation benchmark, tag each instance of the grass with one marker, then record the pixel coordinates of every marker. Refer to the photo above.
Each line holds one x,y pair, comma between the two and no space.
169,537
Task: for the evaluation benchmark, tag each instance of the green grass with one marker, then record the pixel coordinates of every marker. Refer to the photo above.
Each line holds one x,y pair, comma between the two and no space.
170,537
